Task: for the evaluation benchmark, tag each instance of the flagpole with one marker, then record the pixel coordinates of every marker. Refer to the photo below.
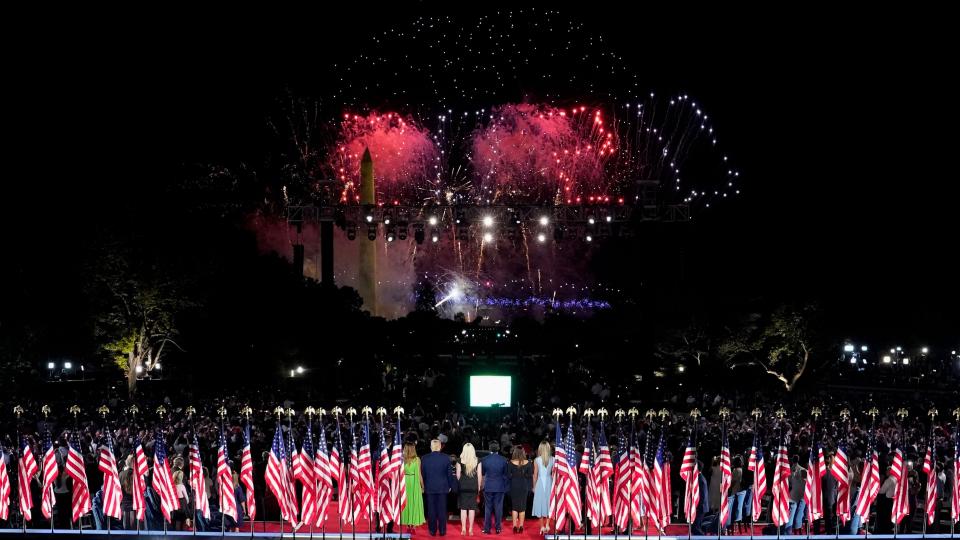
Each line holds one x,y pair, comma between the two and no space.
932,413
780,414
756,413
46,411
845,418
587,414
381,412
309,411
283,477
223,518
246,412
160,411
815,412
336,423
663,414
353,445
602,413
695,413
873,412
901,413
571,411
401,477
618,414
724,412
133,413
18,410
366,410
633,412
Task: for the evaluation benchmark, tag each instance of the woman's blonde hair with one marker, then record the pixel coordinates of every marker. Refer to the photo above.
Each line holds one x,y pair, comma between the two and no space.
409,453
468,460
177,477
544,451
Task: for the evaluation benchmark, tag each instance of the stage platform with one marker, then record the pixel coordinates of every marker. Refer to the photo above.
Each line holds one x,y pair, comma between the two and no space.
68,534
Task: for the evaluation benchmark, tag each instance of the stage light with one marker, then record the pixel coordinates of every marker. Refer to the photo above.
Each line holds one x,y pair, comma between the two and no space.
590,220
157,366
139,369
853,360
886,359
67,365
51,365
402,231
369,218
488,237
293,373
434,237
351,231
372,232
544,221
609,219
924,350
541,237
462,234
418,234
558,233
681,369
906,361
848,348
488,221
460,217
299,369
863,348
899,349
589,238
432,221
390,236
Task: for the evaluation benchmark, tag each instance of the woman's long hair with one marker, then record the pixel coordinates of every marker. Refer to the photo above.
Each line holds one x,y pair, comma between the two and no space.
468,460
409,453
545,451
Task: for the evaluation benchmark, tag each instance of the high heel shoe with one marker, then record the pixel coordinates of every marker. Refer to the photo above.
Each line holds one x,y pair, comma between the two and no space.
521,528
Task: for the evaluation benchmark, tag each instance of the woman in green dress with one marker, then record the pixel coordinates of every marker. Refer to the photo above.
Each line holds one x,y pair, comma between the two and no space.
412,515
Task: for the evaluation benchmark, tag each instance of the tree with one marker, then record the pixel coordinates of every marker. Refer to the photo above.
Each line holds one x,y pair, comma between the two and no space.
688,344
780,342
137,300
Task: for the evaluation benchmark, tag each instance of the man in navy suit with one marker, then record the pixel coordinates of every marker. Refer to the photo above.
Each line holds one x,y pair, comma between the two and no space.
438,480
495,482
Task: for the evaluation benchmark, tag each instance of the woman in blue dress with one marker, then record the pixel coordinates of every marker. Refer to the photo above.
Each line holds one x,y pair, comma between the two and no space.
543,483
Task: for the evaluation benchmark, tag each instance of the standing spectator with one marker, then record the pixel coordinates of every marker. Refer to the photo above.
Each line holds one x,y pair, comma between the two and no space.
493,482
437,481
543,485
468,475
412,515
522,478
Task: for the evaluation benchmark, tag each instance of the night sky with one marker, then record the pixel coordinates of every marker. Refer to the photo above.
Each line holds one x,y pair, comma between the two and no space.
842,124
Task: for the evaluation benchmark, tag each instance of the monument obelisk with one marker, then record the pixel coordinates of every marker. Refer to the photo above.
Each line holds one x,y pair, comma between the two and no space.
368,250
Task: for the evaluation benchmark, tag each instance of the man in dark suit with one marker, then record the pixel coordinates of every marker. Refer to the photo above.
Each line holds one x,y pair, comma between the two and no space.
494,483
438,479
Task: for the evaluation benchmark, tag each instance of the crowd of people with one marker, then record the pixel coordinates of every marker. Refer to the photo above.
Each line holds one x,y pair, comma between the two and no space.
478,459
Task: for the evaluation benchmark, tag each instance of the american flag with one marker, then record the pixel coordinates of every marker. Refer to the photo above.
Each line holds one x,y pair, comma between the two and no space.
26,470
339,468
955,496
661,483
590,486
246,474
50,473
162,482
690,472
780,511
322,472
228,500
384,499
841,472
304,470
651,497
139,479
869,484
4,486
898,470
603,473
362,462
107,464
565,497
638,473
812,489
76,470
930,469
726,477
759,468
621,483
400,482
197,484
278,478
